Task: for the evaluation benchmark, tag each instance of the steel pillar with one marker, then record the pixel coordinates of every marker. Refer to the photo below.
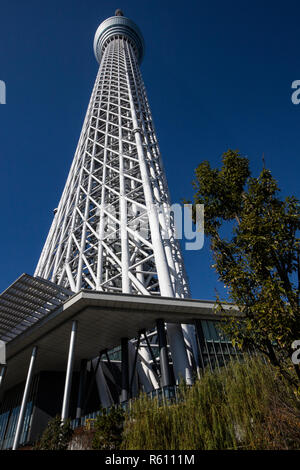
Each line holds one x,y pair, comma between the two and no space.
68,381
166,376
134,368
93,380
104,392
24,400
2,374
200,341
125,370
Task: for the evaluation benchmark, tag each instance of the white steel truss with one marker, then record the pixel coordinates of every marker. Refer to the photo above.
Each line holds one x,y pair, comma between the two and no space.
116,190
116,175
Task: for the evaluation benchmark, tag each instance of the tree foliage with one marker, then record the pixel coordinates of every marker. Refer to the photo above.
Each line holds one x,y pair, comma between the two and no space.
256,247
108,430
243,406
56,436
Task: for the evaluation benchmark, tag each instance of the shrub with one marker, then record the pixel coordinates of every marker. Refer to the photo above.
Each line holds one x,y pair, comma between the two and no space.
108,430
56,435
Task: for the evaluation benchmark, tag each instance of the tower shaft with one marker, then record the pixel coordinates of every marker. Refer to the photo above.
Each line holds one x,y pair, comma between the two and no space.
113,230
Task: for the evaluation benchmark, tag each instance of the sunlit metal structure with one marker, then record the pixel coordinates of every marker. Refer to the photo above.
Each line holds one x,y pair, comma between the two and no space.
112,231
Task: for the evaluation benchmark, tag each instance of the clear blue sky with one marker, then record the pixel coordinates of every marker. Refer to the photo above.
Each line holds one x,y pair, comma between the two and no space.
218,76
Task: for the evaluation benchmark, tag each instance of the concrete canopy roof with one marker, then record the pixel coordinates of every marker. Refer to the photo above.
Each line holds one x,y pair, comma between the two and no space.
103,319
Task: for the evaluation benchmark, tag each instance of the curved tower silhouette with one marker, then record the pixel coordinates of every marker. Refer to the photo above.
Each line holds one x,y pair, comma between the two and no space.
112,230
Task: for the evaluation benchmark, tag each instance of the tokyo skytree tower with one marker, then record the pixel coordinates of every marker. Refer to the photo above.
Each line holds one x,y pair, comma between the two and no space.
112,231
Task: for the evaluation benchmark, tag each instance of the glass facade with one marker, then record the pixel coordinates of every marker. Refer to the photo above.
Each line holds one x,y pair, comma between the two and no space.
9,413
8,424
216,350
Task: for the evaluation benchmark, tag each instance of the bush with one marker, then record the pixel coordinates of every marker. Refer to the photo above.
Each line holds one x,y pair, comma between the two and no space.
108,430
243,406
56,435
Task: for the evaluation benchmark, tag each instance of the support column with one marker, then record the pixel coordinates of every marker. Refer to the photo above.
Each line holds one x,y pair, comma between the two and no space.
2,373
200,341
125,370
81,388
181,365
166,376
134,364
68,382
24,400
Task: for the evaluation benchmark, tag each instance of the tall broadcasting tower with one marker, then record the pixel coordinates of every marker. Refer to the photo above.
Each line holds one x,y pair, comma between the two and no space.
112,231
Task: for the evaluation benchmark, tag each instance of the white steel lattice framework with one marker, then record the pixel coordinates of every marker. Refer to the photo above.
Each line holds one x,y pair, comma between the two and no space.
116,190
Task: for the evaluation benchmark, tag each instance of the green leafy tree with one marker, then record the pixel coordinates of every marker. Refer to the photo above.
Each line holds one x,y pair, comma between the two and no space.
256,247
56,436
109,429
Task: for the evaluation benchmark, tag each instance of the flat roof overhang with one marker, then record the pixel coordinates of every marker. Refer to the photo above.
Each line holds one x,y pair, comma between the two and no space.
103,319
